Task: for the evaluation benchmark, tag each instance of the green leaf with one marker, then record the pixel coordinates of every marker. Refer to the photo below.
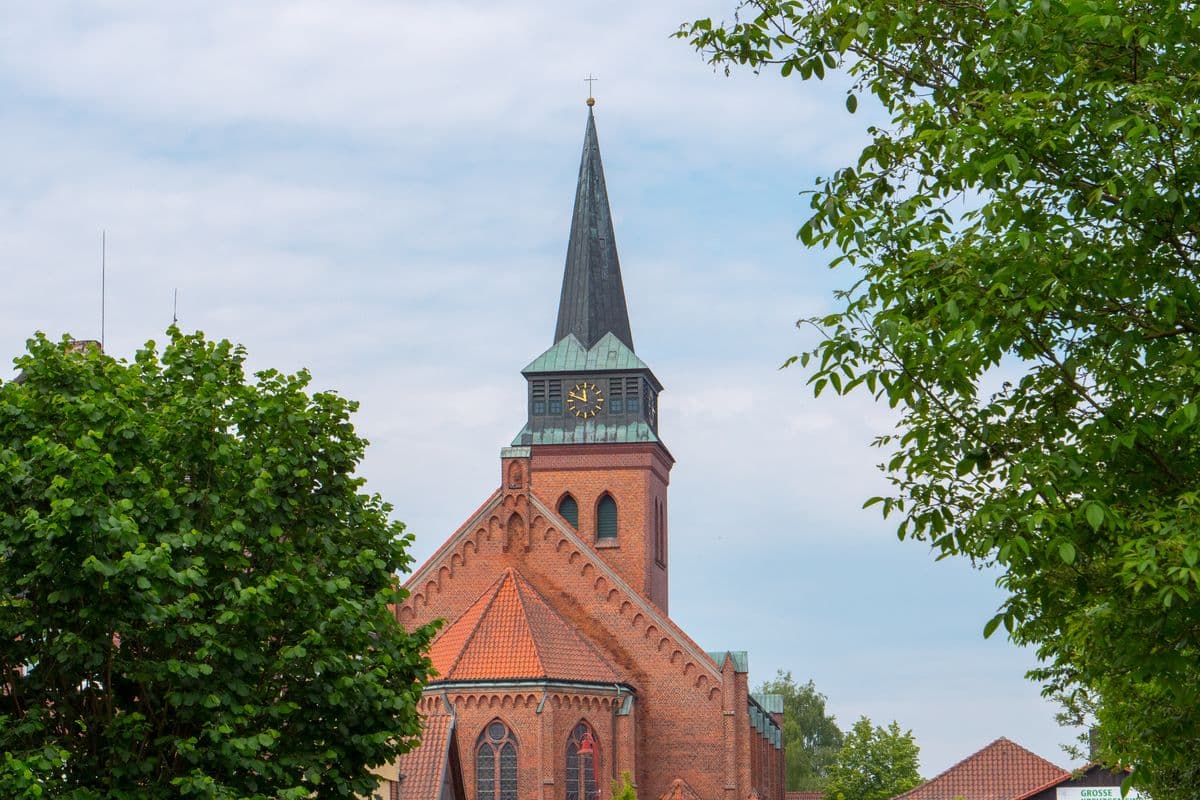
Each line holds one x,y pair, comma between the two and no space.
159,521
1016,248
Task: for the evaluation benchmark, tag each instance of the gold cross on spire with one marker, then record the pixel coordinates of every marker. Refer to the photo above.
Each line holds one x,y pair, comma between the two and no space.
590,79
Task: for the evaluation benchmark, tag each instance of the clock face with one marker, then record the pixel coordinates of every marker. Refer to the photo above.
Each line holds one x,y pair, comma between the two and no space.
585,400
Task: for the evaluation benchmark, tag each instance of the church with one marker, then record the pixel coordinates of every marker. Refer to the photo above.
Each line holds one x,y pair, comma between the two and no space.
559,669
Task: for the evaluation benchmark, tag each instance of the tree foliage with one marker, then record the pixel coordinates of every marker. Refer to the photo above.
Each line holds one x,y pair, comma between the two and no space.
623,789
875,763
1021,243
810,735
195,588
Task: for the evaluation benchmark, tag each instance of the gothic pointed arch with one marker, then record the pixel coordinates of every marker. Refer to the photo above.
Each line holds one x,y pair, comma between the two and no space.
496,762
606,517
660,539
514,530
568,509
583,763
516,476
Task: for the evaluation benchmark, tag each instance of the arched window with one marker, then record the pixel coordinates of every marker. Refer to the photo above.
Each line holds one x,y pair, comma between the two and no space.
583,764
496,763
568,509
606,518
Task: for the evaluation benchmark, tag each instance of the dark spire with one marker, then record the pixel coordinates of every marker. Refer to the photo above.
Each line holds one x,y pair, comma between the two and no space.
593,299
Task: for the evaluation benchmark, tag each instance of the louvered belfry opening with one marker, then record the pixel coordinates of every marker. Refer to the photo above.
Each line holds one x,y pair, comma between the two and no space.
606,518
568,509
496,763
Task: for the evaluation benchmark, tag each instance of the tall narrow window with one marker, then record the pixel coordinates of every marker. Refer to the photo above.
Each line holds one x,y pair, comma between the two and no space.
539,398
568,509
631,395
555,388
616,402
660,536
606,518
496,763
583,764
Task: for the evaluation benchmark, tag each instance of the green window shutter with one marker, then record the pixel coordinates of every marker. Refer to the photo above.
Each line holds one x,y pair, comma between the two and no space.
568,509
606,518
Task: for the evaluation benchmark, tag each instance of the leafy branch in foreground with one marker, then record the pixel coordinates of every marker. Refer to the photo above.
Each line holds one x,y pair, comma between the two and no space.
1021,242
194,591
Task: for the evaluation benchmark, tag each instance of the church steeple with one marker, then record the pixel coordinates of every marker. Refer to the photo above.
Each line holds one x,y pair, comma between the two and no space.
593,299
592,427
590,387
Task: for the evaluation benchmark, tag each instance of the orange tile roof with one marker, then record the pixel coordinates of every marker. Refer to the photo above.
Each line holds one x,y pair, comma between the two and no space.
422,770
1001,771
511,632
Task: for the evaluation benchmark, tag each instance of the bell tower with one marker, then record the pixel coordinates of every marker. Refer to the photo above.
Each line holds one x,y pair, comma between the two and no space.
592,403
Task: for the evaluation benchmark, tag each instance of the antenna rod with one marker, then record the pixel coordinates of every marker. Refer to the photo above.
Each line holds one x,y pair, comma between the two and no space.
175,308
103,280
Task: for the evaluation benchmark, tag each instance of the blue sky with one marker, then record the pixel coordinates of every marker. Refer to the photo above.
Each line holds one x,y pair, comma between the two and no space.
381,191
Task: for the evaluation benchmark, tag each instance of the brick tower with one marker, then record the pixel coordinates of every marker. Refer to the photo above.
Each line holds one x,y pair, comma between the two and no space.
559,668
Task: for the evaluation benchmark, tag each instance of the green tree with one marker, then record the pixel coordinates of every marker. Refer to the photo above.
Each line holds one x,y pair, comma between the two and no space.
1022,242
195,588
623,789
875,763
810,735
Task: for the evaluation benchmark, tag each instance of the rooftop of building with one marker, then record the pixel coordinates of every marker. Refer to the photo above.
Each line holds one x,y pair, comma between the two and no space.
1003,770
511,633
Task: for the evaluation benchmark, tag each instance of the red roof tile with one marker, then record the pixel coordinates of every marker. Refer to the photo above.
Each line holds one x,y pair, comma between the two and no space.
1001,771
422,770
511,632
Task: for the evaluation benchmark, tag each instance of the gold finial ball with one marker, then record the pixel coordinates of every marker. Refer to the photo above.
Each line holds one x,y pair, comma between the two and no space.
591,101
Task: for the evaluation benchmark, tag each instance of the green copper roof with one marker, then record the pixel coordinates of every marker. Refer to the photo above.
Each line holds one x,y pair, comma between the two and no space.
593,299
741,659
760,717
570,356
771,703
573,431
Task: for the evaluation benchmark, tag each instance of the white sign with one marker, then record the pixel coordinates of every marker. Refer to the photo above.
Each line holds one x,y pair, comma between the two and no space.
1097,793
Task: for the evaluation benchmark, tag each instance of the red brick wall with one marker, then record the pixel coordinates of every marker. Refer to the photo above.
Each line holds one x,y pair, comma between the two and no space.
541,736
680,727
636,476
